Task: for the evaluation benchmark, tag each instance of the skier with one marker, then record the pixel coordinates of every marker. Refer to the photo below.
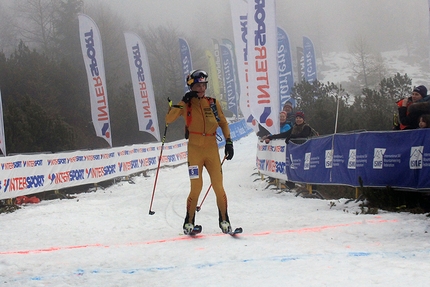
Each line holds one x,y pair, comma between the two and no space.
202,117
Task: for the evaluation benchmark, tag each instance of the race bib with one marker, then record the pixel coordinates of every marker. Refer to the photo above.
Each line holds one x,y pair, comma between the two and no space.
193,171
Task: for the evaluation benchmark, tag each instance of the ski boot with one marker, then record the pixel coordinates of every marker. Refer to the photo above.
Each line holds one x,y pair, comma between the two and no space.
188,228
225,226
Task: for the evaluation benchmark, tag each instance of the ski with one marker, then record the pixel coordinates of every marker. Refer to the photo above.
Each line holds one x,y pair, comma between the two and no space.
236,231
196,230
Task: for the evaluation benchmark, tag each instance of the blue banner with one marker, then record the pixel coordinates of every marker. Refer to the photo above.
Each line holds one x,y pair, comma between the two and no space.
399,159
300,64
229,82
285,68
307,162
343,159
237,131
310,60
186,62
230,46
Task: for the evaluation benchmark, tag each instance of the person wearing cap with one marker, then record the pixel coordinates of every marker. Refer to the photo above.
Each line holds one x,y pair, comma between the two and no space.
410,110
288,108
300,129
203,115
285,129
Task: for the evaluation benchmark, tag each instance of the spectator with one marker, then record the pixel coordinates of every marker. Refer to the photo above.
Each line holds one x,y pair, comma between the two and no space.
408,113
288,107
284,131
300,129
424,121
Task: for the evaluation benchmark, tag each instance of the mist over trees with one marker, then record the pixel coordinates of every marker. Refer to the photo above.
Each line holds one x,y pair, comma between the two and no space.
45,91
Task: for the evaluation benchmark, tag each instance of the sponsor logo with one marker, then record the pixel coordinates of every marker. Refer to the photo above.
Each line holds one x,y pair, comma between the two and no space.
307,164
352,159
378,158
329,158
23,183
416,158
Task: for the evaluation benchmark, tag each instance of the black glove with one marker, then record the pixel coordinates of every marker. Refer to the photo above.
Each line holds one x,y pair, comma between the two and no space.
188,96
228,150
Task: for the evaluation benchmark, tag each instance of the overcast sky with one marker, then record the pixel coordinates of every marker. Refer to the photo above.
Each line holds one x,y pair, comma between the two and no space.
335,21
331,24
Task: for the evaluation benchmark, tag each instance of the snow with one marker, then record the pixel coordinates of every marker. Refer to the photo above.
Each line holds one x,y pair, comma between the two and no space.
107,237
337,67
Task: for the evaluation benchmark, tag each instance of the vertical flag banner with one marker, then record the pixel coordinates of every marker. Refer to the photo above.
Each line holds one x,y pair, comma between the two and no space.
429,16
239,15
285,68
186,62
91,44
2,136
229,44
230,85
219,75
142,85
213,79
263,64
300,64
310,60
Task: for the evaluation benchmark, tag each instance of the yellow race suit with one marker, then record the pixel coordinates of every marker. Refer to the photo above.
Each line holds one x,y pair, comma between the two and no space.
202,150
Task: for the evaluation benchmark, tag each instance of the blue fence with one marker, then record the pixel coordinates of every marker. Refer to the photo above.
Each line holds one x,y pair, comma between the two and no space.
399,159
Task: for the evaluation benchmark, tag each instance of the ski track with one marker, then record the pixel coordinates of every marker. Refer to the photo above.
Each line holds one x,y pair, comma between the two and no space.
107,238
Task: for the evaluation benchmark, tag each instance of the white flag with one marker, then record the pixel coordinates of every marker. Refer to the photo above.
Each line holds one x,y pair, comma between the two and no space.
142,84
2,137
263,64
239,15
92,52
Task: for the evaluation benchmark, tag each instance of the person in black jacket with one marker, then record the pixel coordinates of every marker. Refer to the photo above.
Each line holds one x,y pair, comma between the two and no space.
300,130
410,109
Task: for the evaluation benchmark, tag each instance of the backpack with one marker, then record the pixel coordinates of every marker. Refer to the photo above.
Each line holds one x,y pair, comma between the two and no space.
314,133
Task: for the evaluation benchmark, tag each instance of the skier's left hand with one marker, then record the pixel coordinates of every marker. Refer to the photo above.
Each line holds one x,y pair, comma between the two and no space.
228,150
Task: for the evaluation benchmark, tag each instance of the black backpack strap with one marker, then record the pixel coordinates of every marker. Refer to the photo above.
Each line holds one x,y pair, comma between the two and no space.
212,104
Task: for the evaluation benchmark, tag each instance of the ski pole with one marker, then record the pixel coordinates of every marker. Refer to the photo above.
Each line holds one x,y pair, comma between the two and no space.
207,192
151,212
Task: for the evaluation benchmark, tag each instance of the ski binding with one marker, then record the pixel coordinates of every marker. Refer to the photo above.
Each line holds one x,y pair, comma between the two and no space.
236,231
196,230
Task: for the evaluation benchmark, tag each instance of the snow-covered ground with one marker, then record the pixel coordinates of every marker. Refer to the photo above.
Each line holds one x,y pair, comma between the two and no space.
337,67
107,238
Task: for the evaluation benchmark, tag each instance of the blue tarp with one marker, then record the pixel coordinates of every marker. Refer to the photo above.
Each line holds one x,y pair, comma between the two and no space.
399,159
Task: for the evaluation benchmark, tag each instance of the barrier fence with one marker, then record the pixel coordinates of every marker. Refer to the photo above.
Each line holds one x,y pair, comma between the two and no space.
29,174
398,159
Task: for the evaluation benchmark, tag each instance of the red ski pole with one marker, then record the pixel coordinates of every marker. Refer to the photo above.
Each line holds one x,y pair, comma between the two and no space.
151,212
207,192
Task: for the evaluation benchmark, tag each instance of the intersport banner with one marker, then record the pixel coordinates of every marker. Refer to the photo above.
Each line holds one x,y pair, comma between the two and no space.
34,173
285,66
186,62
263,64
92,52
239,15
2,136
230,85
142,85
310,60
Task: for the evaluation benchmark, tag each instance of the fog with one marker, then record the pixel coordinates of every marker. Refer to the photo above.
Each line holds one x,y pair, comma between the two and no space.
332,24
